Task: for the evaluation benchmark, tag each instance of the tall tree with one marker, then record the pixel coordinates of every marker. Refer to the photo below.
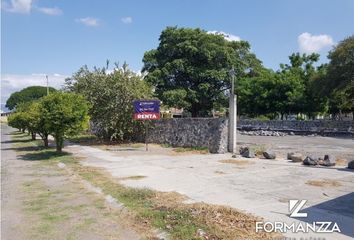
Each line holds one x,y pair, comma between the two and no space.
111,96
302,67
26,95
340,76
271,93
190,68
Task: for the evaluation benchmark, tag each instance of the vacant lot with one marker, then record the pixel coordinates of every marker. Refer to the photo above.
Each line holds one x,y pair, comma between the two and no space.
341,147
258,186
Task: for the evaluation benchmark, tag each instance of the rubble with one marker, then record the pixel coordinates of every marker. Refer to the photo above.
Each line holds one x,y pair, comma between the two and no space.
264,133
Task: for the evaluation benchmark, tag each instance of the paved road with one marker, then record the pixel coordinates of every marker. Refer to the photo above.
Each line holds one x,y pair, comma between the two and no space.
261,187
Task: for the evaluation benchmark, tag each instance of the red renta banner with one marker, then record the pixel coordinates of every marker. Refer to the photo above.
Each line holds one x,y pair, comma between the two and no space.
146,109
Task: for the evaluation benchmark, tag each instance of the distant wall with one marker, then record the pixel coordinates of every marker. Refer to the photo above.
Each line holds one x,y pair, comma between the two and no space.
191,132
213,132
316,126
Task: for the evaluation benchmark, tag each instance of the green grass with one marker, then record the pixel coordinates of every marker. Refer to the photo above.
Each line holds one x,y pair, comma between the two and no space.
142,202
45,206
83,139
191,149
166,145
186,149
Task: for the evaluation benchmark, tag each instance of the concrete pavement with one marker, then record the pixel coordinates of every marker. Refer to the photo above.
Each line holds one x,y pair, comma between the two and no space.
259,186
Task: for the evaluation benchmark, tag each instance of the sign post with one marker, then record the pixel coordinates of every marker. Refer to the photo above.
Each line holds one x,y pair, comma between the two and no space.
146,136
145,110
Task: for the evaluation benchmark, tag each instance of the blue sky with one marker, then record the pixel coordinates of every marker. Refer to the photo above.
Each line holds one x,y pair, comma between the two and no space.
56,37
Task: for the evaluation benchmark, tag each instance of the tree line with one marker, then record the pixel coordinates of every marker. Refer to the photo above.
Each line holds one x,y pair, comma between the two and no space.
59,114
189,69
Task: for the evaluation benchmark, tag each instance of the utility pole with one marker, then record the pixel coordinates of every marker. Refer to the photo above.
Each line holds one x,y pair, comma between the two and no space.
232,114
46,76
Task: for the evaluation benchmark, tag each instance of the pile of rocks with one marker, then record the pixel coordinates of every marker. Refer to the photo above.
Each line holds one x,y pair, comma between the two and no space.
313,160
248,152
327,161
310,160
265,133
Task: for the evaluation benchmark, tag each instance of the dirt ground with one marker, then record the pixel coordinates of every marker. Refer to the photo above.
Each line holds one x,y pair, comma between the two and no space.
257,186
340,147
41,201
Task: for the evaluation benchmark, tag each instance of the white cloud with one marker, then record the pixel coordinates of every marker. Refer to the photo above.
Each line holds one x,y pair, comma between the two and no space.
25,7
88,21
18,6
229,37
50,11
127,20
313,43
11,83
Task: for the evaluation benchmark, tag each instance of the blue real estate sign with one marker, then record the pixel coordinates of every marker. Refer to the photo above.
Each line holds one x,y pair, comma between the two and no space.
146,109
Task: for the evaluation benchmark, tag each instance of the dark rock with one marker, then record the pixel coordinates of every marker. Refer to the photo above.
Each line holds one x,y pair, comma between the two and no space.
296,157
288,156
329,160
269,155
247,152
311,160
351,164
242,149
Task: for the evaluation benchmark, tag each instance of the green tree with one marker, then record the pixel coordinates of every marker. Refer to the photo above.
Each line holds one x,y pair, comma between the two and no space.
190,68
339,81
271,93
63,114
301,67
26,95
111,96
36,123
18,120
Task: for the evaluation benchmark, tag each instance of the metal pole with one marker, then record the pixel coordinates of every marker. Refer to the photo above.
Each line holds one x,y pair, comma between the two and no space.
146,136
46,76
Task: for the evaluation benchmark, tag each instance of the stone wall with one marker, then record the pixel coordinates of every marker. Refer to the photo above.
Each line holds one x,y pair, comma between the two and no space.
191,132
316,126
213,132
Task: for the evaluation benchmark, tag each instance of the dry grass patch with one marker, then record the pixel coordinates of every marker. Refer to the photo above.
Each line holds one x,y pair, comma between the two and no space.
120,146
138,177
238,162
169,212
324,183
341,162
189,150
283,200
219,172
222,222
